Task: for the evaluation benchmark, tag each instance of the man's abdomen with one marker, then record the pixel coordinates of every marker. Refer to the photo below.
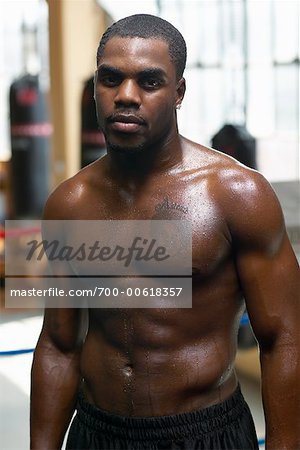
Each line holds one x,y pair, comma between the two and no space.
157,362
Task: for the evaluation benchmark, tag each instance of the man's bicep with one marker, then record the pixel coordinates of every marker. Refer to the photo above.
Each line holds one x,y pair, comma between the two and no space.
65,328
270,284
265,262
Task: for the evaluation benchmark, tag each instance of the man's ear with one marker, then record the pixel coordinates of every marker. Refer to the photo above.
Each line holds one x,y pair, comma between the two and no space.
95,82
180,91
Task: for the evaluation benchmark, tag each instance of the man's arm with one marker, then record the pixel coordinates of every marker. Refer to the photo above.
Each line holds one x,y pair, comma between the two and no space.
269,276
55,376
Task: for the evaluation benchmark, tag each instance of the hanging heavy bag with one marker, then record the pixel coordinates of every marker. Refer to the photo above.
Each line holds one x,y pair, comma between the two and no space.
30,142
236,141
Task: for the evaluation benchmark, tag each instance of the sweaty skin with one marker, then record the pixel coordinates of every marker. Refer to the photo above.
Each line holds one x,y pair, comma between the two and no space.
151,362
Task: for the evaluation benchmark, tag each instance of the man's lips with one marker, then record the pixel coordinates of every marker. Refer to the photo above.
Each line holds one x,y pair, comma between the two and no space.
126,123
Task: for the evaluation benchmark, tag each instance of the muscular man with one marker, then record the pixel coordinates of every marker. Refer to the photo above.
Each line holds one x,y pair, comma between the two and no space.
157,378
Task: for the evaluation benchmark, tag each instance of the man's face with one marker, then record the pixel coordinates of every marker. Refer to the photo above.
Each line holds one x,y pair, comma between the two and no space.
136,93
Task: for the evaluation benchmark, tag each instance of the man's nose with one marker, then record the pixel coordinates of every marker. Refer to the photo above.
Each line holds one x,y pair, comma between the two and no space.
128,94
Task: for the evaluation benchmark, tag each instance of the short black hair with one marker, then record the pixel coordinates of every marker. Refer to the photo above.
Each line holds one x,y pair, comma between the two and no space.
148,26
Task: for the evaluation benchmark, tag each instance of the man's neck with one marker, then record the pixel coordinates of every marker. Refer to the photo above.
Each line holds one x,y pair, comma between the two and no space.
149,161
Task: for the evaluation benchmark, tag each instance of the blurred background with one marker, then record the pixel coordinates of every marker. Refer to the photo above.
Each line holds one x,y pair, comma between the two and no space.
242,98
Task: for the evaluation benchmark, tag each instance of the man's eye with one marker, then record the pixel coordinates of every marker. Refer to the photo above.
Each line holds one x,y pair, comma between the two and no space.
109,80
151,83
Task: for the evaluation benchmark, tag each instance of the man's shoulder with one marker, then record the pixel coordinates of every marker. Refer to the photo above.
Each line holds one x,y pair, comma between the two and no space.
246,199
203,157
221,169
249,203
65,199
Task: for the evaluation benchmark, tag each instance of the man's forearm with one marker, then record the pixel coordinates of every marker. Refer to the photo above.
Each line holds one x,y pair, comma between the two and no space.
55,382
281,397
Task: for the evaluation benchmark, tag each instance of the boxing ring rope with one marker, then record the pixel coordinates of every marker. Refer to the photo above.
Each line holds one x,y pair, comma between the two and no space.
16,232
16,352
244,321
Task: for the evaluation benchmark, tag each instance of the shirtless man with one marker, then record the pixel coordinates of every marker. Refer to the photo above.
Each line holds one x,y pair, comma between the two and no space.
177,362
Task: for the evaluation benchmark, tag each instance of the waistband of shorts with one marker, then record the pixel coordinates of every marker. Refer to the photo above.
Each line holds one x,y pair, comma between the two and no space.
199,422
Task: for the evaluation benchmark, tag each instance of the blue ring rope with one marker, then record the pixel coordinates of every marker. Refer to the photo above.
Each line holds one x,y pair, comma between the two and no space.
16,352
244,321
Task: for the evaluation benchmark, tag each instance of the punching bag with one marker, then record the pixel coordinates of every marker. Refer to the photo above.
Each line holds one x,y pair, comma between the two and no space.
92,139
30,142
236,141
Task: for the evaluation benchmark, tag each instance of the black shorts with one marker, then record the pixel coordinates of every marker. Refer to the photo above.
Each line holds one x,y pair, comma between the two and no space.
228,425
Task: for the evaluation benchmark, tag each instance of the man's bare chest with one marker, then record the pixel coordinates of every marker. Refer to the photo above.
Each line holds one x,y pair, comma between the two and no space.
191,204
